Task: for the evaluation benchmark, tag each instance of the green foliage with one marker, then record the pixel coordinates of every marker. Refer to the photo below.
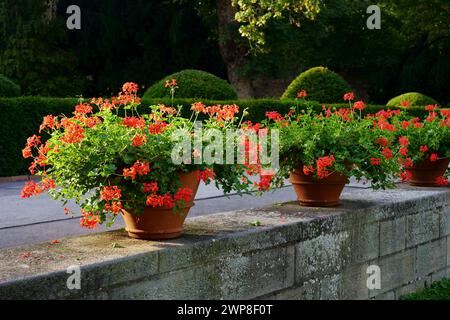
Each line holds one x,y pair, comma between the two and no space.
438,291
8,88
319,146
21,116
321,84
254,15
414,98
432,133
193,84
33,50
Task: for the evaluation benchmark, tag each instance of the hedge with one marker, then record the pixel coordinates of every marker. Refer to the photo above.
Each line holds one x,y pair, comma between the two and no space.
193,84
8,88
414,98
320,83
21,118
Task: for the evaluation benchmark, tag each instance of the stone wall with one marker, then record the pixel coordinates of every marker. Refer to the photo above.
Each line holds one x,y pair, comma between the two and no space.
296,253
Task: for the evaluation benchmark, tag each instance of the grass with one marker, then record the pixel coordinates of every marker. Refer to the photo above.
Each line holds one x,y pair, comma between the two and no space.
437,291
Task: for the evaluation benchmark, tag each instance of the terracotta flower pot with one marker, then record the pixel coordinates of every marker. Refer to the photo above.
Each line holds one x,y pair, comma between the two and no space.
161,222
424,174
318,193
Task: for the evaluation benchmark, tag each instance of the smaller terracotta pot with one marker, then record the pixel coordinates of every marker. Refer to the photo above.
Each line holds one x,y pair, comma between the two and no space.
318,193
424,174
161,222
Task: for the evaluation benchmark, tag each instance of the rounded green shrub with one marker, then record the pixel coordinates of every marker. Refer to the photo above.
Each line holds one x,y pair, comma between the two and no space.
194,84
8,88
321,84
414,99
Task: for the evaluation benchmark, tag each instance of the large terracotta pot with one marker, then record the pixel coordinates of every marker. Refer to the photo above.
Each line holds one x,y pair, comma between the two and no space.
424,174
161,222
318,193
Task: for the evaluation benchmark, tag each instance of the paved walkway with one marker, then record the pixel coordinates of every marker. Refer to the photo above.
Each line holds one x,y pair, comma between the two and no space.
40,219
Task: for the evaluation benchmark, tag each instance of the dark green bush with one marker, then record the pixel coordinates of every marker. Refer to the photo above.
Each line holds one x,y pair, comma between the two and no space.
321,84
414,98
21,118
437,291
193,84
8,88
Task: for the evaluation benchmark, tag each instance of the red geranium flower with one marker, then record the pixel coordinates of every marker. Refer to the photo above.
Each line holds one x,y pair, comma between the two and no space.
110,193
89,220
382,141
359,105
302,94
404,141
349,96
442,181
387,153
423,149
139,140
375,161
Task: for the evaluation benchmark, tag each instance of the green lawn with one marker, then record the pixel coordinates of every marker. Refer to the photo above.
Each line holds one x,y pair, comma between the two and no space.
438,291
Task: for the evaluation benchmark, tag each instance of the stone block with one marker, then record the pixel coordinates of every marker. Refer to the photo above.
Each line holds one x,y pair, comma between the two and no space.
243,277
392,236
396,270
431,257
421,228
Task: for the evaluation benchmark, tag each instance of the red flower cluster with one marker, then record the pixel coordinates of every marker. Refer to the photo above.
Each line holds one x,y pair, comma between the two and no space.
302,94
359,105
274,115
32,188
110,193
323,164
442,181
89,220
134,122
264,183
375,161
139,140
382,141
130,88
423,149
405,104
198,107
150,187
48,122
140,168
406,176
434,157
74,132
115,207
171,83
387,153
157,128
83,109
206,175
349,96
404,141
431,107
222,113
160,201
184,194
307,170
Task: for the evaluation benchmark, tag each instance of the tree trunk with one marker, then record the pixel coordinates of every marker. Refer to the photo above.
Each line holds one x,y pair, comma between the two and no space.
52,6
232,49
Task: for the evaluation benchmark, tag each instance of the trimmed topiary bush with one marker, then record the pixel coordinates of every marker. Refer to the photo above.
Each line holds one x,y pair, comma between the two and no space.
414,99
8,88
193,84
321,84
